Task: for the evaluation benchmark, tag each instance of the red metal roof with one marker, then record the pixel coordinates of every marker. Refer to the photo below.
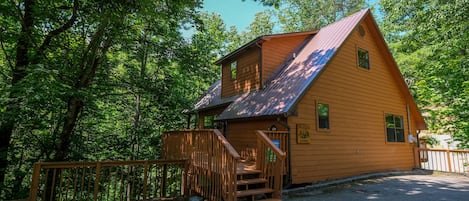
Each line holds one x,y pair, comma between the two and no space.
282,93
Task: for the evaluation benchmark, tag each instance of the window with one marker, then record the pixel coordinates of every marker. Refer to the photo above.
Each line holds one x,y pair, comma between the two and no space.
209,122
323,116
363,59
394,128
234,65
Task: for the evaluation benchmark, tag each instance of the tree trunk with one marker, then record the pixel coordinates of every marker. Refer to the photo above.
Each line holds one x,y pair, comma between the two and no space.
136,128
19,73
74,107
90,62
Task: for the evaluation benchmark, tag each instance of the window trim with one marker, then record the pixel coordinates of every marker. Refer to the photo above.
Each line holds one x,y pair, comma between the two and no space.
358,49
395,135
233,70
328,116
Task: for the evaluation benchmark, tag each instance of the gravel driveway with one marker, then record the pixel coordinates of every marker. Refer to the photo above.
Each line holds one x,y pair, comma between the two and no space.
436,186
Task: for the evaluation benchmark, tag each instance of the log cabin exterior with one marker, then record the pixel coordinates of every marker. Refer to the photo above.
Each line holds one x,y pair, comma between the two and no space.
336,92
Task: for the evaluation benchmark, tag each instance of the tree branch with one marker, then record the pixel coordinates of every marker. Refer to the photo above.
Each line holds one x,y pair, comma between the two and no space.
61,29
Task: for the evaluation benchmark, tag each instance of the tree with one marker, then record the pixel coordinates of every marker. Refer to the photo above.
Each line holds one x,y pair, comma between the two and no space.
23,45
430,42
262,25
59,57
300,15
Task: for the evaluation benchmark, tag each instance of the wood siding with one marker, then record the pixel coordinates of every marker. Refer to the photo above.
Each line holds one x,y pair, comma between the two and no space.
247,76
242,134
275,52
358,99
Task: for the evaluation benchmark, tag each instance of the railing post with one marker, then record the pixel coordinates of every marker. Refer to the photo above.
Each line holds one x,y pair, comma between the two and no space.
35,182
96,181
165,174
448,159
416,157
185,178
145,178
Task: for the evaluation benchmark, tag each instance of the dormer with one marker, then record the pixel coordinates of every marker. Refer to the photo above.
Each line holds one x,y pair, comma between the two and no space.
250,66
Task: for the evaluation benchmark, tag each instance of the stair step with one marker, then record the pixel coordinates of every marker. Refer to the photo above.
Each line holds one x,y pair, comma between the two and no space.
243,172
258,191
251,181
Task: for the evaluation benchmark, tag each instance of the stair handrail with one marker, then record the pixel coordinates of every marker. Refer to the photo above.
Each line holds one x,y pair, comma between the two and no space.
222,160
227,144
270,160
214,161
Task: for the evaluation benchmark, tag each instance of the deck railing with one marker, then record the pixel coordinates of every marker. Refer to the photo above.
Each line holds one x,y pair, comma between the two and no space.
282,138
213,161
270,160
444,160
110,180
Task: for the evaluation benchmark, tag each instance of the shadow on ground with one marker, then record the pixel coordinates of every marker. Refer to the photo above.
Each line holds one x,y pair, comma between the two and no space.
401,188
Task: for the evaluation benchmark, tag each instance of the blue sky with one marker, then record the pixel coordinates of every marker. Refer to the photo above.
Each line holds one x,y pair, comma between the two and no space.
235,12
240,13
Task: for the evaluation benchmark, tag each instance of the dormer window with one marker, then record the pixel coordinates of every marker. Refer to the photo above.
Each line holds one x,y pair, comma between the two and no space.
234,66
363,59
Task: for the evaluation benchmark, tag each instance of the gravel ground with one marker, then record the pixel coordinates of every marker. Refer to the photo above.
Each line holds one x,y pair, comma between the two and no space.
436,186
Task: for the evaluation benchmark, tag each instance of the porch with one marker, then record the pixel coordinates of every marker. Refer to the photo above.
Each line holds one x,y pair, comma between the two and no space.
219,172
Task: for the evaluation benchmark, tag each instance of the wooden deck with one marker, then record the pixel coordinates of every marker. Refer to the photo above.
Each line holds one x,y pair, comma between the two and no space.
202,161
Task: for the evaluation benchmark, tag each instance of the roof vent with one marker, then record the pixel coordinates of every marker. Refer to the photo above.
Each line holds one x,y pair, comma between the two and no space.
361,30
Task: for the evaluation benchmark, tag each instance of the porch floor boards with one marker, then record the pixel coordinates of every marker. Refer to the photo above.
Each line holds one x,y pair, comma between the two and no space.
247,168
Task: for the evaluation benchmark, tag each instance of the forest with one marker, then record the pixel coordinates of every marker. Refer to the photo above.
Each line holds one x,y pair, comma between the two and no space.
85,80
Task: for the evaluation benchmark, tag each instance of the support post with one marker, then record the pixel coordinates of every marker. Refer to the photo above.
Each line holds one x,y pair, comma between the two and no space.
448,160
416,157
35,181
96,181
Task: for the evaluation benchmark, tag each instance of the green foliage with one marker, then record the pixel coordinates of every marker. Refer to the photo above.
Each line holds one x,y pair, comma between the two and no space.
430,40
430,140
146,75
300,15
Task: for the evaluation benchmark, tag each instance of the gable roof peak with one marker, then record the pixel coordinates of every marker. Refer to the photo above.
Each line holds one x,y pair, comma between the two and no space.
262,38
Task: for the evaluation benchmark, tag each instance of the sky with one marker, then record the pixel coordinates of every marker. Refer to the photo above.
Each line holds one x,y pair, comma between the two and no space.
240,13
235,12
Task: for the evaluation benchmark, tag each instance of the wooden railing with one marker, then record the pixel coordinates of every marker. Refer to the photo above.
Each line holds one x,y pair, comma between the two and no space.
270,160
282,138
213,161
444,160
177,145
111,180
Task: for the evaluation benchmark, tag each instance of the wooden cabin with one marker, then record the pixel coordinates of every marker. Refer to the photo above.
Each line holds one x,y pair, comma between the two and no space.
337,91
297,107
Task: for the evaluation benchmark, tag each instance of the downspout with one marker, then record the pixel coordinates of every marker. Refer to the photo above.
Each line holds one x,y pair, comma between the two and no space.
285,124
408,119
410,133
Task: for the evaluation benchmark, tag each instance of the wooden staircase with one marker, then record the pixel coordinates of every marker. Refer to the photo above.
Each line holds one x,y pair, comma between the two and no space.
251,186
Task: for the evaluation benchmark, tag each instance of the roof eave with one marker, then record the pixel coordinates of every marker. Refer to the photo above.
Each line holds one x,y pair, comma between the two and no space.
252,117
262,38
300,97
240,49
